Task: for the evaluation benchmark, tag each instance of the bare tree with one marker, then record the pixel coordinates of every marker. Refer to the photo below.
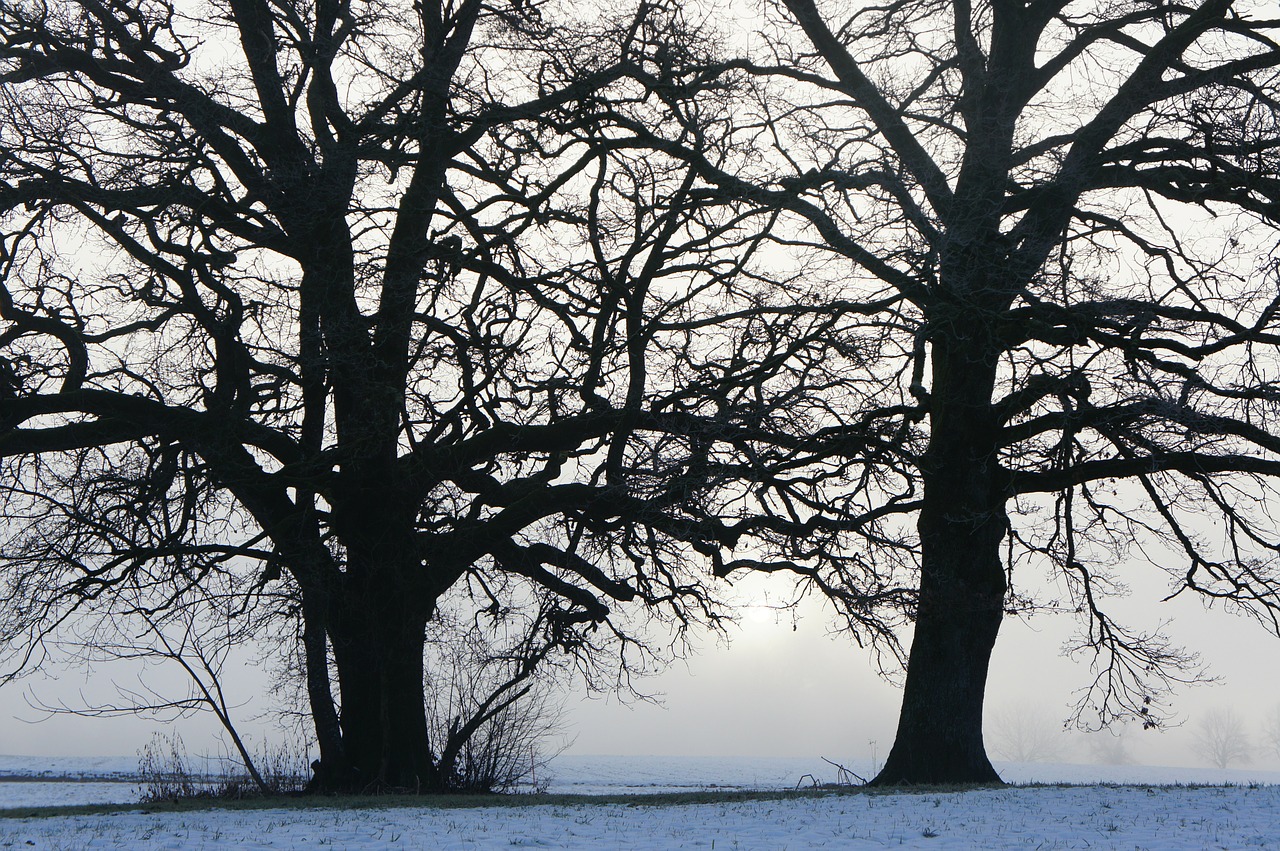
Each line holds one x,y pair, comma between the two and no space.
1022,733
1049,228
1221,739
1110,747
920,295
1271,730
373,300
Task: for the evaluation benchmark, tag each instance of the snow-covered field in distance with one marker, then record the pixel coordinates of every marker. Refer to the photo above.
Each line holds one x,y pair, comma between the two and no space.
1148,813
69,767
599,775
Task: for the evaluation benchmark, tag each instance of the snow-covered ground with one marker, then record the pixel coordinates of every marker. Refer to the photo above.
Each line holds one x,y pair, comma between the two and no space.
1143,815
597,775
66,793
1127,817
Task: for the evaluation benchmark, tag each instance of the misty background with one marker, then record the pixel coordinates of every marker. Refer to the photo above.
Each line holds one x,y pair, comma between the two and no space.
783,685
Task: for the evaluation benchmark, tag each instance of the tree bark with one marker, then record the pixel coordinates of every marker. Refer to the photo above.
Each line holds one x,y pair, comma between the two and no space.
378,651
332,772
962,581
939,737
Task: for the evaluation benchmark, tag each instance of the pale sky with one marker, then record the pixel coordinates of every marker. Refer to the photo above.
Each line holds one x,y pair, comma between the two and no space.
775,692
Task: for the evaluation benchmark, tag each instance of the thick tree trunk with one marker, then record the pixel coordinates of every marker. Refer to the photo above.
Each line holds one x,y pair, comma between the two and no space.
939,737
377,620
962,582
378,651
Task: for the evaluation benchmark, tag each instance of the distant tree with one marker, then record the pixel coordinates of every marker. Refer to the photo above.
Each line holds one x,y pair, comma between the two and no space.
1221,739
370,301
1021,733
1110,747
1049,228
1271,730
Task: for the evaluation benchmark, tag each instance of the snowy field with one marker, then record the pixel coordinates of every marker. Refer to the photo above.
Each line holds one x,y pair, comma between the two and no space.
1140,816
1042,818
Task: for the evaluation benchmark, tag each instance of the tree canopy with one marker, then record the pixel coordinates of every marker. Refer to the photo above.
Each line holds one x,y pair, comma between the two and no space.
1056,226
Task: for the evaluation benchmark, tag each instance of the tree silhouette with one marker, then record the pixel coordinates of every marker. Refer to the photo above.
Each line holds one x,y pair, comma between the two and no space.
395,301
1022,733
1110,747
1049,229
364,302
1271,730
1221,739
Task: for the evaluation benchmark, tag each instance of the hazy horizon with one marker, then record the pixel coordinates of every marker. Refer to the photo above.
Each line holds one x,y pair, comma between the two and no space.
774,691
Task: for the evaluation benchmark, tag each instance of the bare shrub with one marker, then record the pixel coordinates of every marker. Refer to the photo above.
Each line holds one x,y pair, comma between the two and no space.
165,773
284,766
497,724
509,752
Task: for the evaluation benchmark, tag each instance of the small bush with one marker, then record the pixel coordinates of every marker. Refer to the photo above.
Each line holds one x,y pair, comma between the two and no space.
284,767
491,704
509,752
165,773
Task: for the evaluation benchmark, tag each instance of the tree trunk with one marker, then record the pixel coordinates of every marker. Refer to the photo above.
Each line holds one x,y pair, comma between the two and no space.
378,652
939,737
332,771
962,581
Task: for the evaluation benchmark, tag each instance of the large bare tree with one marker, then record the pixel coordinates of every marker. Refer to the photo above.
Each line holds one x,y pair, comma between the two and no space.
365,298
1049,227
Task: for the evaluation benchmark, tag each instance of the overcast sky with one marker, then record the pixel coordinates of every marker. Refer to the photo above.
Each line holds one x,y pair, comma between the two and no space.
781,692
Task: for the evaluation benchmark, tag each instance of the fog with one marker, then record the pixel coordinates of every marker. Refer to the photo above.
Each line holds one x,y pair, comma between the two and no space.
779,692
777,688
